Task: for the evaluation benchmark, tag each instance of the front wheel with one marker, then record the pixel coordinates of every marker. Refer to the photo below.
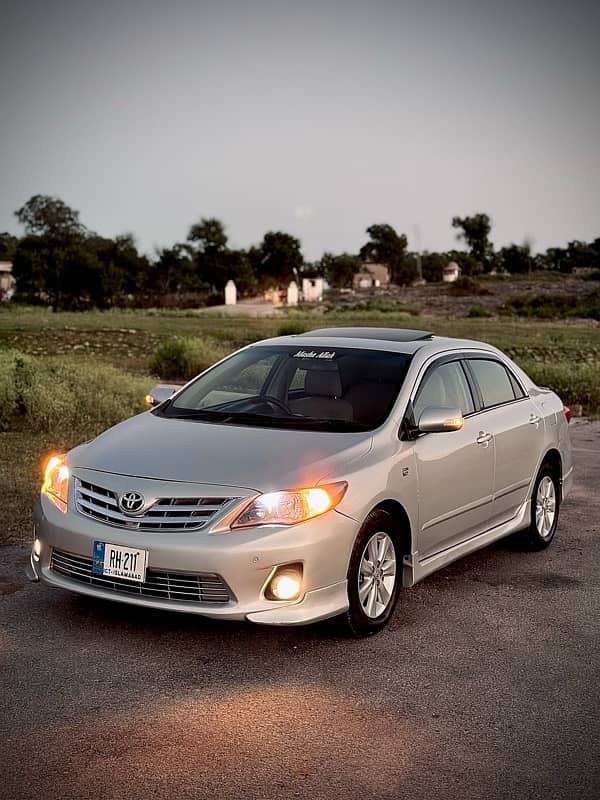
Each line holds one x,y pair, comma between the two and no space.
374,576
545,502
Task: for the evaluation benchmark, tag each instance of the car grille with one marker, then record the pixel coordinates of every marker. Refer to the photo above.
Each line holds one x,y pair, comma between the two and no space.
187,588
168,513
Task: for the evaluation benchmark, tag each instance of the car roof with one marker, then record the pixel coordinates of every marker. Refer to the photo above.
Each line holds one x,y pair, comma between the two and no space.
398,340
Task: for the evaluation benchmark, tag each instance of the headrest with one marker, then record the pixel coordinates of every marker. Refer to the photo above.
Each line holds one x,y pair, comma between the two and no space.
321,383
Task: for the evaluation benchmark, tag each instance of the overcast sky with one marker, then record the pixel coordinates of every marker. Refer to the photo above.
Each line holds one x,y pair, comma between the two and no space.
311,116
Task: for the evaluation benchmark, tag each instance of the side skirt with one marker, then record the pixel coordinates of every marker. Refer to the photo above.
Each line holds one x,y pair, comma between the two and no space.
414,570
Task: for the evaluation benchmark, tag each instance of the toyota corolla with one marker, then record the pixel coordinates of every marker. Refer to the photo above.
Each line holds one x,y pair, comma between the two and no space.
306,477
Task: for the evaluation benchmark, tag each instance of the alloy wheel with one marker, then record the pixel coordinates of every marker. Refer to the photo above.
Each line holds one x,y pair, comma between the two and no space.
545,506
377,574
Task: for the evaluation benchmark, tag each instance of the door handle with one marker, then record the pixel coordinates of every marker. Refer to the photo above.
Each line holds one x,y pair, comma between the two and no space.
534,419
484,438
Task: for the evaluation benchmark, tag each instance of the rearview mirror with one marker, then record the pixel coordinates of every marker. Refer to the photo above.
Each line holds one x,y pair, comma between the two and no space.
160,393
436,419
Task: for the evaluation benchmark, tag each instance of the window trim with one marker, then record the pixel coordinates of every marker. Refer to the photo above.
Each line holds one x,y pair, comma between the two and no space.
456,356
408,425
509,372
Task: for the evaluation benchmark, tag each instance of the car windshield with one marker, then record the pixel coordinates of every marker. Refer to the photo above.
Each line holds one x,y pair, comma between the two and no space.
303,388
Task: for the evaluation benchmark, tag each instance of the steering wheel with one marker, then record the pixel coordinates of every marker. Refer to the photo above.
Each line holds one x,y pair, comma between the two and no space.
274,401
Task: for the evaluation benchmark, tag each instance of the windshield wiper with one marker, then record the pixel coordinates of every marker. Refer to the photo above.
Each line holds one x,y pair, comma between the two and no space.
263,420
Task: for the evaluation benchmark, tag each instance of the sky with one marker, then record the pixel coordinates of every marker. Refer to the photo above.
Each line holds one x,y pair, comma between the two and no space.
318,118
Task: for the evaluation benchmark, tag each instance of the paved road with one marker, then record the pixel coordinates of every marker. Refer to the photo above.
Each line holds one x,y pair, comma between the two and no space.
486,685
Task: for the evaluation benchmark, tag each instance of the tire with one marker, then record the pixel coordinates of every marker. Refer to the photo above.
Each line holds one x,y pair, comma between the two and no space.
376,550
545,505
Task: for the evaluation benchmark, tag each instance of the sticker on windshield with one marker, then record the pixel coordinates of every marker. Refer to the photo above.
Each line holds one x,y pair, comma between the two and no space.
326,355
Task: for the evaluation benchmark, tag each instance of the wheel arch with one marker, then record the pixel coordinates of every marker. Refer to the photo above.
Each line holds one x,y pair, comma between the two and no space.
553,458
402,525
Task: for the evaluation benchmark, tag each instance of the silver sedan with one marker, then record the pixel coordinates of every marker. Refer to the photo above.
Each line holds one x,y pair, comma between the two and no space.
306,477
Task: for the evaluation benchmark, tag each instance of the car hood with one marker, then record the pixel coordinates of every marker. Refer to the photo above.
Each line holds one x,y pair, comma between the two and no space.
262,459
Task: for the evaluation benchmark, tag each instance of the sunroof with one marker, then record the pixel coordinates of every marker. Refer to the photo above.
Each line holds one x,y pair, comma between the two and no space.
383,334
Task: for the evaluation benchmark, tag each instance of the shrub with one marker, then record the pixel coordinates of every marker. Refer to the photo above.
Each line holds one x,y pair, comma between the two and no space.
291,328
466,285
180,359
548,306
8,390
478,311
64,396
574,383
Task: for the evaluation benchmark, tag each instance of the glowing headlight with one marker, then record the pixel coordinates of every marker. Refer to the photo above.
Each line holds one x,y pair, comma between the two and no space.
56,482
289,508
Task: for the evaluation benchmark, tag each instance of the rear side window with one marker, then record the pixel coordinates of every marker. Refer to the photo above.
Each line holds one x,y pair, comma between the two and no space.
494,381
444,386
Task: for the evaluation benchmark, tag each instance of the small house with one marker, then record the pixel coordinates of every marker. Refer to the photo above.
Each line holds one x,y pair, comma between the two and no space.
372,275
312,289
7,281
451,272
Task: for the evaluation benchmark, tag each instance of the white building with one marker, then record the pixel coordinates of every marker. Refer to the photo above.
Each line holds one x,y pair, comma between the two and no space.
312,289
451,272
230,293
292,294
7,281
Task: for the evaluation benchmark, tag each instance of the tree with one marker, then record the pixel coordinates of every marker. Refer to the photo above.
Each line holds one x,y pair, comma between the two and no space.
515,258
43,215
340,270
173,271
121,269
52,260
385,246
475,232
8,245
278,260
208,245
432,266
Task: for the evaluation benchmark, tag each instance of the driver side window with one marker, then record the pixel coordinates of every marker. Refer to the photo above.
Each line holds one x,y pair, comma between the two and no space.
446,386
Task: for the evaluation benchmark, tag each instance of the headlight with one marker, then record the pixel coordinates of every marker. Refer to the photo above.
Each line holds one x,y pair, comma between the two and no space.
289,508
56,482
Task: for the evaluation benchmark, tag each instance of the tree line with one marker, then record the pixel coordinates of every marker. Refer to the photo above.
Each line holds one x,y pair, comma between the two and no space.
60,262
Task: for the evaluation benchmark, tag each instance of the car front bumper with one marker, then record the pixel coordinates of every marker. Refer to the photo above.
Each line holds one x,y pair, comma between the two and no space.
243,559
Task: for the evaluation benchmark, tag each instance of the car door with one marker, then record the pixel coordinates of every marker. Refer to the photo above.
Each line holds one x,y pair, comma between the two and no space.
517,427
455,469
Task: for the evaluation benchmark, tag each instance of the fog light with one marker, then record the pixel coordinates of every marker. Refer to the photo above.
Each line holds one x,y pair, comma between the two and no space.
37,549
286,584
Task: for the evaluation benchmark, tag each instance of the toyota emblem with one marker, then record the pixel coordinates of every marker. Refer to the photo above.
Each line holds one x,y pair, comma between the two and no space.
132,502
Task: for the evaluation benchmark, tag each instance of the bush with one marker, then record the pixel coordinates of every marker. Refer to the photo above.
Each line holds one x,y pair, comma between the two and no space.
180,359
291,329
466,285
549,306
573,383
478,311
66,397
8,390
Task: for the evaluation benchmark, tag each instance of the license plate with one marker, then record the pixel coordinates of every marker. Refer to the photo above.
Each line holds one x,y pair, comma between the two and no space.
115,561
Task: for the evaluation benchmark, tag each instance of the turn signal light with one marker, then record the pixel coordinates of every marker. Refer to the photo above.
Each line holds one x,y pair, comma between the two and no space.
56,482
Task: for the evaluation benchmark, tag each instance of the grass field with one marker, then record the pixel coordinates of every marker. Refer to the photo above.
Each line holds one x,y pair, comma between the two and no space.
66,376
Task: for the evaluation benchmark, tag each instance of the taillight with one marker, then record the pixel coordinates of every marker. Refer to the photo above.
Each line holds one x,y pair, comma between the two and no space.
568,413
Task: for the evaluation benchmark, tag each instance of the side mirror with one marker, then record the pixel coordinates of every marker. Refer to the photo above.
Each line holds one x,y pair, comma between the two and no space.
160,393
436,419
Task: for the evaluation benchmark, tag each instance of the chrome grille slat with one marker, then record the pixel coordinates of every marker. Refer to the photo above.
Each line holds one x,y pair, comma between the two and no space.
165,514
90,494
197,588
